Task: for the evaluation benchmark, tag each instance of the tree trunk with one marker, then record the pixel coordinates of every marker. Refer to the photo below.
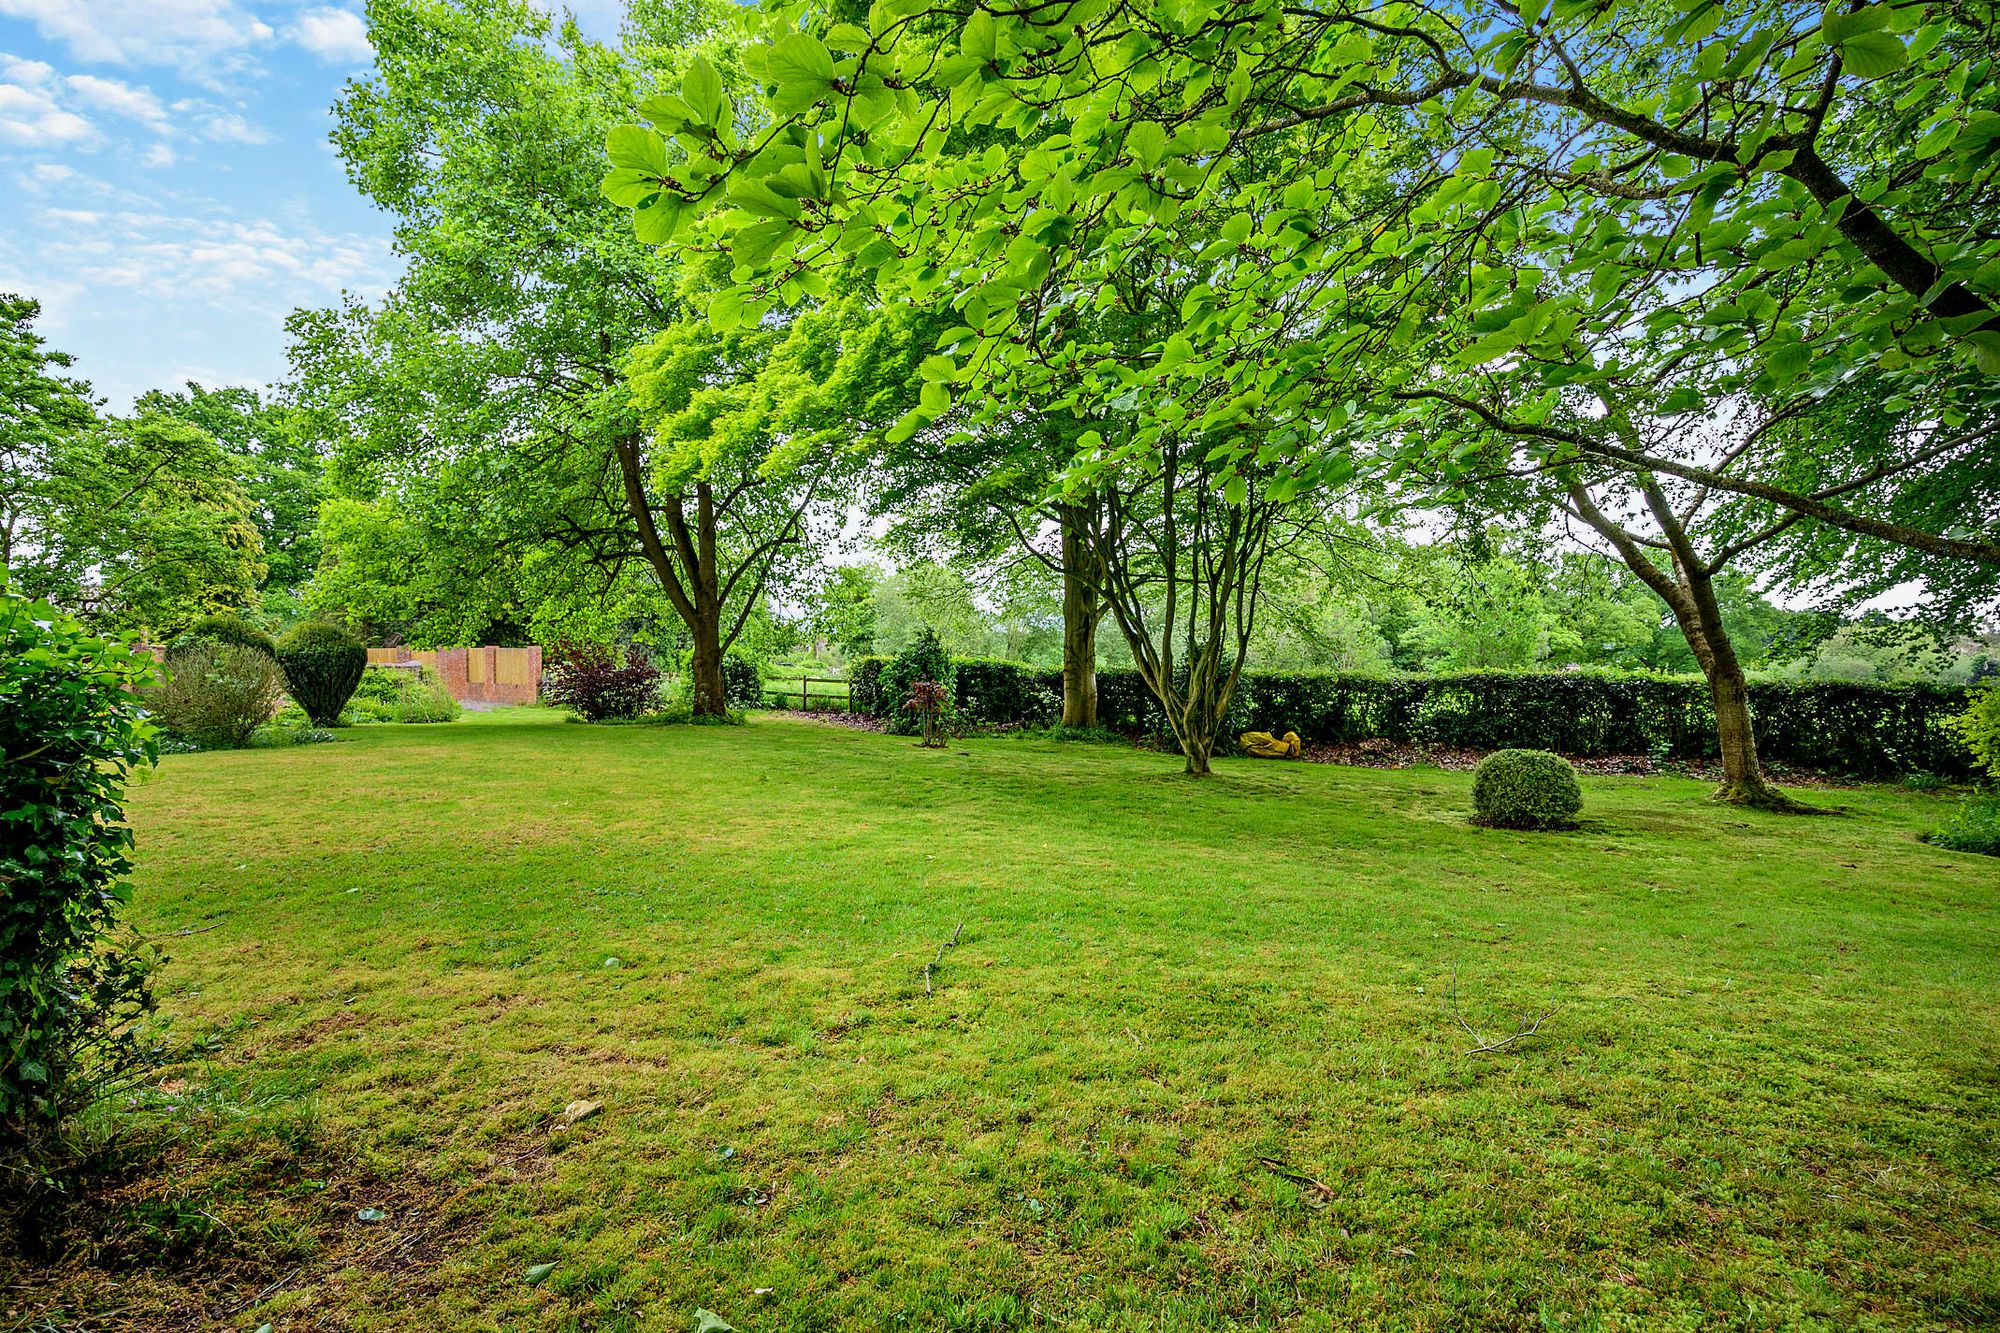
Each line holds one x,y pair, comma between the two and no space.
1689,592
709,698
1082,609
1743,780
1197,749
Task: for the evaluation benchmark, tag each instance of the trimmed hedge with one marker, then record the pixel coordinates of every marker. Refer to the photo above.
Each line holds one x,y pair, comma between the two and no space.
72,731
1860,729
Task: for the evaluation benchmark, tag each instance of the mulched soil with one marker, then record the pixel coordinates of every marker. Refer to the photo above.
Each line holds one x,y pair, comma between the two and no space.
853,721
1393,754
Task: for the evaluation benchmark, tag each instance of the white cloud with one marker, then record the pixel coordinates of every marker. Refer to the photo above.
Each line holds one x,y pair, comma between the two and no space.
122,99
26,73
228,127
337,36
203,37
31,116
157,155
241,265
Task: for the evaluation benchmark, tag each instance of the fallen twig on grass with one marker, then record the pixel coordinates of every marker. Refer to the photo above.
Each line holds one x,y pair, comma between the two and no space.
1527,1027
951,943
1278,1168
183,934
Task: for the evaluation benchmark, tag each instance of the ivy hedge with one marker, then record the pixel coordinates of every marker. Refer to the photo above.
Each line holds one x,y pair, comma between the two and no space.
1860,729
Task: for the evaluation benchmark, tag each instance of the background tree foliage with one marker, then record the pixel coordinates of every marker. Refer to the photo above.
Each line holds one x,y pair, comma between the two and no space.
1558,225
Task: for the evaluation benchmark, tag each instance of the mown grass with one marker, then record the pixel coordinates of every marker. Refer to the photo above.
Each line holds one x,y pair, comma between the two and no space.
1187,1068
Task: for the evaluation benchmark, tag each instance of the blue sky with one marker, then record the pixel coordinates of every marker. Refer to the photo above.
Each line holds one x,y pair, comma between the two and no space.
167,190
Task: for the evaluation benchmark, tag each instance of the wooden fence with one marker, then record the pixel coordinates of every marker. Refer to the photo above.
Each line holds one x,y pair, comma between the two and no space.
476,675
779,693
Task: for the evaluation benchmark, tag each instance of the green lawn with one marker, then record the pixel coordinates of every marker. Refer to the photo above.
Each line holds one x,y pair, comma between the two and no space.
1767,1096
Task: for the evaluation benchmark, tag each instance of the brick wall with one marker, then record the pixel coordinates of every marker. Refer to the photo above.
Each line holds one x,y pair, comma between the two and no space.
477,675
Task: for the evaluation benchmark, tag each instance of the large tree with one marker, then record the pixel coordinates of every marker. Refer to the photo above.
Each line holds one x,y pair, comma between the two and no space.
989,494
144,527
41,410
278,464
495,385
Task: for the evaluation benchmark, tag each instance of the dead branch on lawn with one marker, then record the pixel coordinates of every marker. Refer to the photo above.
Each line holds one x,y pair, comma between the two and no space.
938,961
1528,1026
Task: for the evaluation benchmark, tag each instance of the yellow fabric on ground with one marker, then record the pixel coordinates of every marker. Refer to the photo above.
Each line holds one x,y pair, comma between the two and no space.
1266,746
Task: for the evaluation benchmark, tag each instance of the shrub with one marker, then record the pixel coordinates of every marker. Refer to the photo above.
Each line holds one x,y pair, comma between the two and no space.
71,731
1975,828
928,700
1525,789
402,694
1979,726
323,663
224,629
217,694
742,679
924,659
592,682
866,673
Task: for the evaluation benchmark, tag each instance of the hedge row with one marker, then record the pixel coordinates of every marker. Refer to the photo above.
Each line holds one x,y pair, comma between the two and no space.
1866,730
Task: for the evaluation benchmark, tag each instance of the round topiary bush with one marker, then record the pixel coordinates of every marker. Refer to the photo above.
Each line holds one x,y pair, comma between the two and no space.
224,628
1525,789
323,664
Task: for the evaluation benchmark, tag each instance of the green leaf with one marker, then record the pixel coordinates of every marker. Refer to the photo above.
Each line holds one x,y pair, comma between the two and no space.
703,90
1787,361
1986,352
1147,143
637,148
725,310
1490,348
1870,55
802,68
759,198
627,187
707,1321
537,1275
752,246
1839,25
980,41
668,114
656,223
1235,490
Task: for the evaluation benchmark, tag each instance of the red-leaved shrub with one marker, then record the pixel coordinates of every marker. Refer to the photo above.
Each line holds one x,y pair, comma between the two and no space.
591,681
